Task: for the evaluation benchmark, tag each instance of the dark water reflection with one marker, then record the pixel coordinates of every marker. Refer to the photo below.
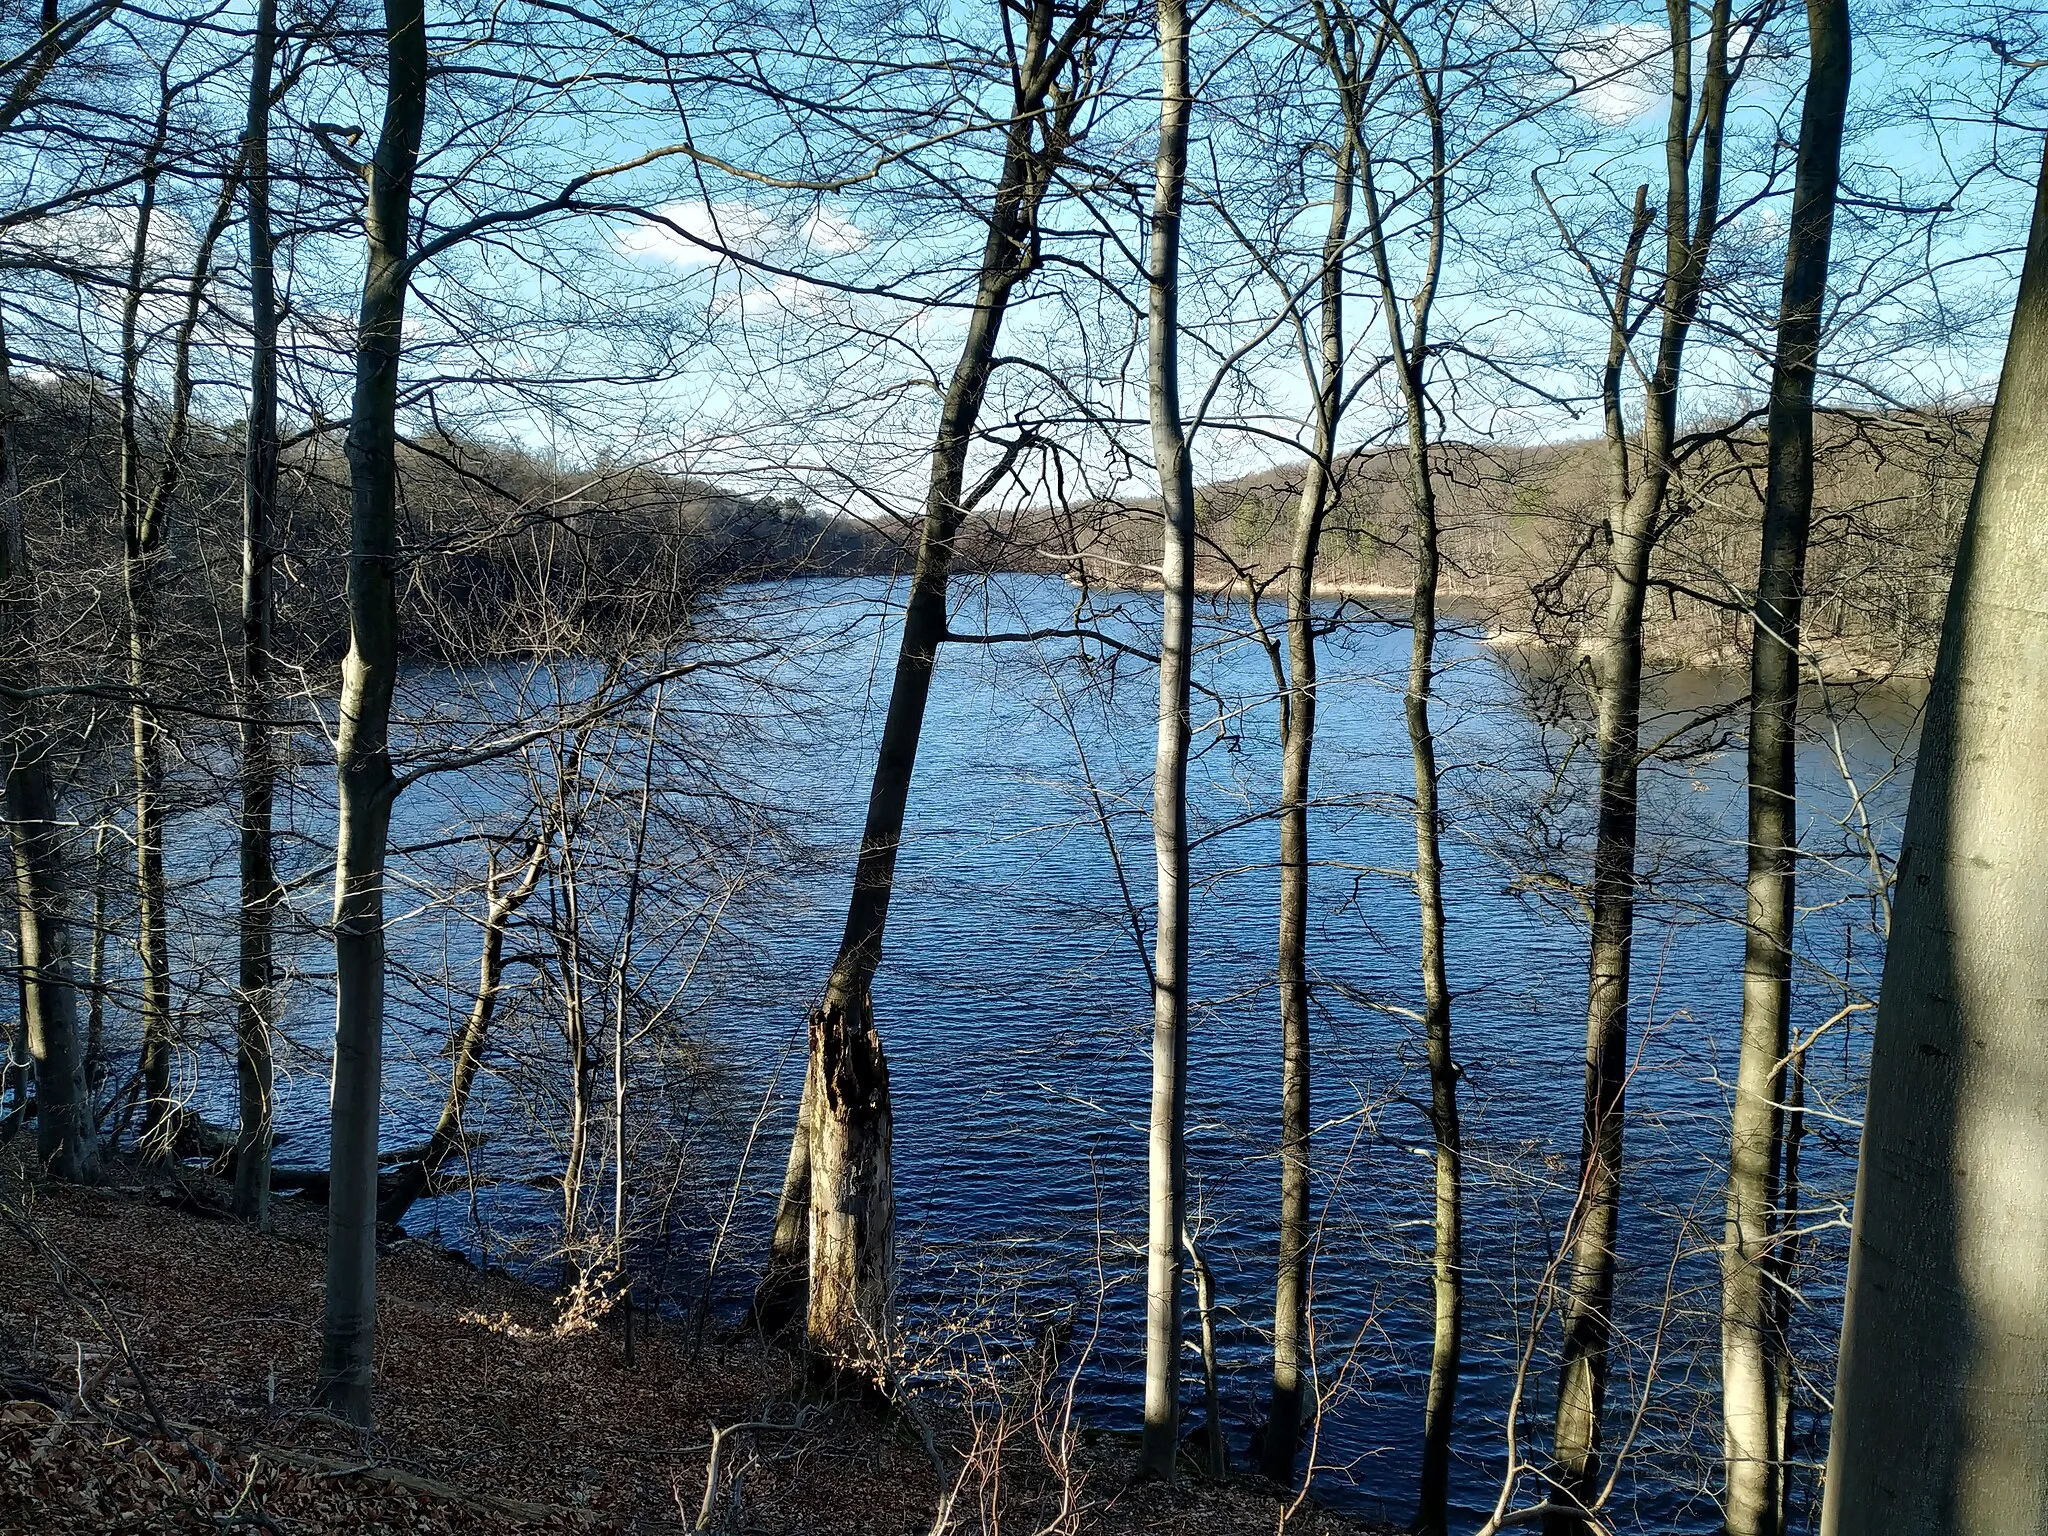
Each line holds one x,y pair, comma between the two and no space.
1014,1006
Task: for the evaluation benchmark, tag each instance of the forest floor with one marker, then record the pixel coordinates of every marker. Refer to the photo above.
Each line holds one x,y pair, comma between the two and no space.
156,1361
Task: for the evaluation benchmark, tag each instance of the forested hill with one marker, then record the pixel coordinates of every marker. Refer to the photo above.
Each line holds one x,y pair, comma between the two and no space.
1522,530
502,553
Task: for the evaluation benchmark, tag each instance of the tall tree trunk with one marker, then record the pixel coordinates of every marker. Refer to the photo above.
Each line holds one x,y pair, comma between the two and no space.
1410,347
834,1242
255,998
66,1142
1297,742
1941,1396
143,518
1634,525
1167,1153
1752,1279
140,543
362,747
412,1180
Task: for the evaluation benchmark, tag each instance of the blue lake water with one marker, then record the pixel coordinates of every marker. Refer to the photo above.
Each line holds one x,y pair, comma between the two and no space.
1014,1007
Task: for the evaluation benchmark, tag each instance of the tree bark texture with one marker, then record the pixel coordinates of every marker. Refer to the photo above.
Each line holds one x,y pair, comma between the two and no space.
1941,1396
1753,1271
362,749
1166,1183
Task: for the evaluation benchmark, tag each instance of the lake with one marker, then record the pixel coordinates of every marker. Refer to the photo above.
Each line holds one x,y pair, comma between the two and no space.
1014,1007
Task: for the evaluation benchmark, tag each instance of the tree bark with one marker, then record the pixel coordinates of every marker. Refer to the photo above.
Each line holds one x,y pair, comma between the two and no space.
66,1141
1634,525
838,1179
1284,1418
362,748
1167,1150
1753,1277
255,997
1941,1396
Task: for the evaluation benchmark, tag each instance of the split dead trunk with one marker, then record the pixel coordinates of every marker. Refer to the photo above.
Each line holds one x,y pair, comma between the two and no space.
1941,1396
1167,1148
1754,1367
255,996
832,1255
362,749
1634,525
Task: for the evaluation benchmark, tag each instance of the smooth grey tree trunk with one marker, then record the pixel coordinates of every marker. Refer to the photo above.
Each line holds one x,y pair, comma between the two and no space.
1634,524
1754,1274
66,1142
1284,1418
255,997
1941,1397
1166,1183
362,747
832,1256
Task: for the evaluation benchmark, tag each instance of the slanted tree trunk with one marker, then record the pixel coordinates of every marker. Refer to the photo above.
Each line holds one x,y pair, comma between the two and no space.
834,1242
66,1142
1284,1416
1752,1268
255,997
1635,522
1941,1395
412,1179
1167,1152
362,746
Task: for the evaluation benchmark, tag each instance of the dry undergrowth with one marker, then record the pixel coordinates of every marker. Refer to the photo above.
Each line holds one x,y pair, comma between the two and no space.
155,1365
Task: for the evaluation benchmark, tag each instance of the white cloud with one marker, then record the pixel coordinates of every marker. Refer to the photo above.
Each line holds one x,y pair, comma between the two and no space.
1621,71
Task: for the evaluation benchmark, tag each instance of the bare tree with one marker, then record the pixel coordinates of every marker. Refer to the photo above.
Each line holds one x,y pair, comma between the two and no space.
362,746
1941,1398
1339,40
1639,477
1166,1182
66,1139
1753,1322
255,997
838,1202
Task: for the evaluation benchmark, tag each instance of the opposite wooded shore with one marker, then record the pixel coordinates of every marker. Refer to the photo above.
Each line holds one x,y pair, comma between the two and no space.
156,1365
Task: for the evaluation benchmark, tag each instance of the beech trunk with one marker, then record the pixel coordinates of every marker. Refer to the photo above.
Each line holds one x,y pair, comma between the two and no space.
1754,1368
362,747
1941,1396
